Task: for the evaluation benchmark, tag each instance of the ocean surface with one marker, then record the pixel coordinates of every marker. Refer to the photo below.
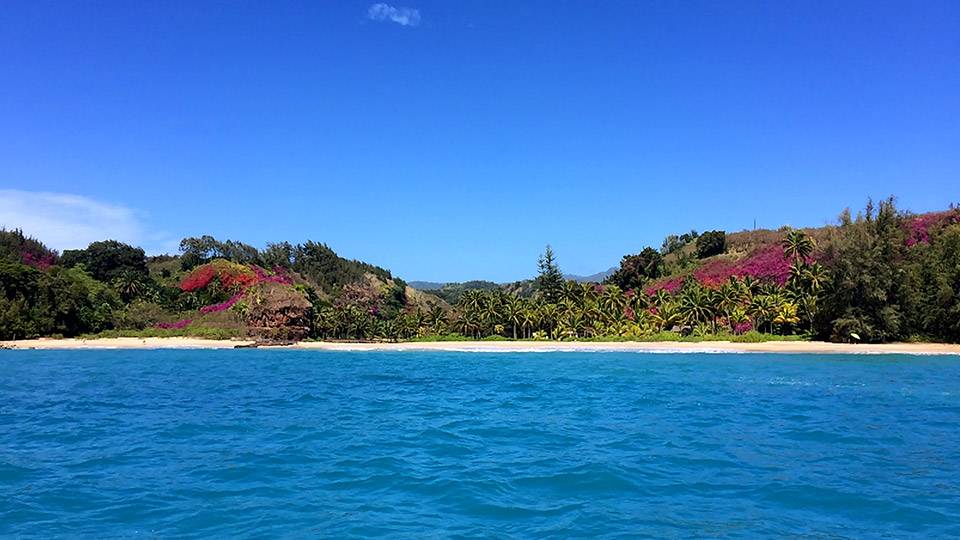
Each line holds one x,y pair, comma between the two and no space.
307,444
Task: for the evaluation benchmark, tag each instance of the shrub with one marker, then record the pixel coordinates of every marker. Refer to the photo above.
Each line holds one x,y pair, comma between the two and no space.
711,243
199,278
662,336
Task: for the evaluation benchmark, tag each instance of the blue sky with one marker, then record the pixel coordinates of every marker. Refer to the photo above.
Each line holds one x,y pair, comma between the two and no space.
451,140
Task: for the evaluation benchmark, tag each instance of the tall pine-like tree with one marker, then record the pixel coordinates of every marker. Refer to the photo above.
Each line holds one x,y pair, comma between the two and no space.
550,279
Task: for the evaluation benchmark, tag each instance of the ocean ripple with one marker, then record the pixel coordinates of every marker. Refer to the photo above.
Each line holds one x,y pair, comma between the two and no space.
201,443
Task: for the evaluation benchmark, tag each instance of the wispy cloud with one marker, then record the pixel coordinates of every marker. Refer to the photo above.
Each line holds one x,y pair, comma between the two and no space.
65,221
403,16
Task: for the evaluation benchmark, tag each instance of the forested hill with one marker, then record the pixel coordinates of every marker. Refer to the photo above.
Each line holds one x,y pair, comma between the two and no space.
882,275
452,290
315,262
112,285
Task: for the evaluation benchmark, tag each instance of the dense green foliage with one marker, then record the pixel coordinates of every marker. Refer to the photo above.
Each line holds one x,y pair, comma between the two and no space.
711,243
889,286
17,248
451,292
884,275
314,261
636,270
58,301
673,243
108,260
550,278
113,286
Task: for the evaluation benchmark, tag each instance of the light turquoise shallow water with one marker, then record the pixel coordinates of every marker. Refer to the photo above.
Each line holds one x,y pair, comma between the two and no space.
305,444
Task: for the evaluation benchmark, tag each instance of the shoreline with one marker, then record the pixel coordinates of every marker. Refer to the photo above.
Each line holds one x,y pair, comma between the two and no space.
802,347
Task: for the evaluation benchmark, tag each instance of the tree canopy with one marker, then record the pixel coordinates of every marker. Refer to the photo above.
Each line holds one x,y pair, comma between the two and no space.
711,243
550,277
108,260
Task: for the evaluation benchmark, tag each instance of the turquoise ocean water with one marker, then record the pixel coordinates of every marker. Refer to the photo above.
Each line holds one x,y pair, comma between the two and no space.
305,444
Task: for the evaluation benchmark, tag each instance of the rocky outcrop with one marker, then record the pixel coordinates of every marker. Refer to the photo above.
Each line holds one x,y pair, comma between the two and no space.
278,312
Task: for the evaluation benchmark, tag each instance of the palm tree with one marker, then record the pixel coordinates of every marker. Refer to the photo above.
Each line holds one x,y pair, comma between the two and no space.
665,315
797,270
588,292
418,323
811,281
361,324
469,323
548,317
797,245
437,319
737,317
752,284
128,285
661,297
639,301
571,324
472,299
393,329
323,323
513,313
613,301
492,313
695,305
786,314
592,316
726,298
403,325
816,278
762,307
571,293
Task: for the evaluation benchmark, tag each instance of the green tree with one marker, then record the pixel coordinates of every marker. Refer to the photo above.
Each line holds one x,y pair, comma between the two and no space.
550,278
108,260
71,302
869,294
129,285
797,245
636,270
696,306
937,267
763,308
711,243
437,319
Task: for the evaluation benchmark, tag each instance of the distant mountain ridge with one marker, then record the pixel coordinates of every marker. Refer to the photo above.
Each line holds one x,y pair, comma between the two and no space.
592,278
434,285
425,285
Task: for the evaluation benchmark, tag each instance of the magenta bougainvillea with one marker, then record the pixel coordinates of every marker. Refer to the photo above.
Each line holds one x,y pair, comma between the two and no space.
670,285
216,308
202,276
199,278
177,325
283,277
741,328
40,261
920,228
764,264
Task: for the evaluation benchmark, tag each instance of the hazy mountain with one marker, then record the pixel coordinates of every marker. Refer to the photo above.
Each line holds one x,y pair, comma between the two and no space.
592,278
425,285
487,285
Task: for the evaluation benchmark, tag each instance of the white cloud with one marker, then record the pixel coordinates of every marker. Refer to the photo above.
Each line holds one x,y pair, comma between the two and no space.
403,16
64,221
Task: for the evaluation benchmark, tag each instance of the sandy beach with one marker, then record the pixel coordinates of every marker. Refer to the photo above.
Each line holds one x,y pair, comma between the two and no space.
122,343
815,347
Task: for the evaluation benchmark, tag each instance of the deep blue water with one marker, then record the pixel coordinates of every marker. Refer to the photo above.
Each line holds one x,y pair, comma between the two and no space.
304,444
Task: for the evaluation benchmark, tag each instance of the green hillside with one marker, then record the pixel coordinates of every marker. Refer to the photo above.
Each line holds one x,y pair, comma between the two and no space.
882,275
